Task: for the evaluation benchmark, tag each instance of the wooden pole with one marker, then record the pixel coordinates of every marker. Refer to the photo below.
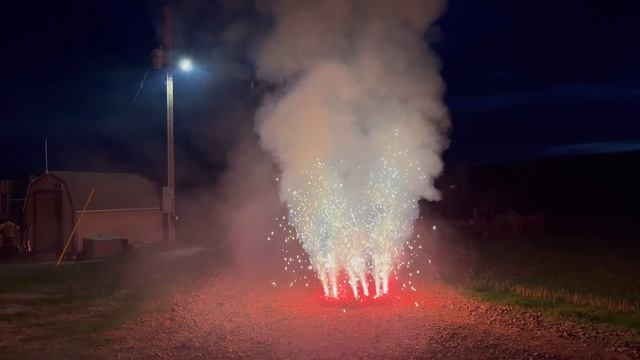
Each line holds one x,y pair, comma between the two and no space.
168,50
75,227
46,156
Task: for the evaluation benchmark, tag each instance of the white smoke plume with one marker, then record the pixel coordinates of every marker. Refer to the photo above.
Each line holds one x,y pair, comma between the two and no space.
357,129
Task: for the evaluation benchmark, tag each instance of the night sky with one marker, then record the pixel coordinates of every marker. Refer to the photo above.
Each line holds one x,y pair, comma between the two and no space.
525,79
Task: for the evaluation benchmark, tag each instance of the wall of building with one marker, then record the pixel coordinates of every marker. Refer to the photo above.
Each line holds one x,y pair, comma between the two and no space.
138,226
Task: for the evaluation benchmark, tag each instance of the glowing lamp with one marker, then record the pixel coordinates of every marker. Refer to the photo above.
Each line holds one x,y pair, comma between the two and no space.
185,64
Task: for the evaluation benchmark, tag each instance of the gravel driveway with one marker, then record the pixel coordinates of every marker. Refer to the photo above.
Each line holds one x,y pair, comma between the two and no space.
226,317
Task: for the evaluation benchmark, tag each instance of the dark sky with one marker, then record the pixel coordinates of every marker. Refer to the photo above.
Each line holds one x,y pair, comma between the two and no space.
525,79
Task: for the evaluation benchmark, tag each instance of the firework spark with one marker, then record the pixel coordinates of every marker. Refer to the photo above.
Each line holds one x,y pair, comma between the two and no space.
360,232
357,131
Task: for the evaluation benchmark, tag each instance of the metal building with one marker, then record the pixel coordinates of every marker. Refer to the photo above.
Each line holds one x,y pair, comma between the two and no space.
126,206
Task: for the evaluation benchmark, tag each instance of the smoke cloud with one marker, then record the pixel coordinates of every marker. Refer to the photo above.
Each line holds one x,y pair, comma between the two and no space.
357,128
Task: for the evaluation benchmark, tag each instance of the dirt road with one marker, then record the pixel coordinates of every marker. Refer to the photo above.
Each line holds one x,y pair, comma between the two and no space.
228,318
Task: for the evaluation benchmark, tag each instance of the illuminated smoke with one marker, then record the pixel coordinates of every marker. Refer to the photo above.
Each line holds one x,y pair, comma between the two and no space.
357,129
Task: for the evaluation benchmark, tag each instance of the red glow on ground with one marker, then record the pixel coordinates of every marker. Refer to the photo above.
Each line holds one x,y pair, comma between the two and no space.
371,300
346,297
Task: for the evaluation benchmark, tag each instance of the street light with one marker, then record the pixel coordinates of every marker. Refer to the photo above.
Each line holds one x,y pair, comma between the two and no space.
185,64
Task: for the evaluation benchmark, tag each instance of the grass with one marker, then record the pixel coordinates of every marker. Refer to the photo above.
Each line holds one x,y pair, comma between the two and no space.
65,311
561,308
578,278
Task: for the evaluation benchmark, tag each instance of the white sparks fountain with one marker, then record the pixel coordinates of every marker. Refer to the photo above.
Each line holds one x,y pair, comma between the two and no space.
357,129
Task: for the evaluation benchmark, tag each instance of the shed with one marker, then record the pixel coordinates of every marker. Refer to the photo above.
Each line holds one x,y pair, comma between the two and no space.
124,205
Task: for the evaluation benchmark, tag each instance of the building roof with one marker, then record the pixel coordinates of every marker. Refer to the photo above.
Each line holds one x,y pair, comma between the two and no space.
112,190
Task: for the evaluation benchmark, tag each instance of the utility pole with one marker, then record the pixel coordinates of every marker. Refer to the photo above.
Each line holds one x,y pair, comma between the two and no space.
163,60
46,156
168,194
